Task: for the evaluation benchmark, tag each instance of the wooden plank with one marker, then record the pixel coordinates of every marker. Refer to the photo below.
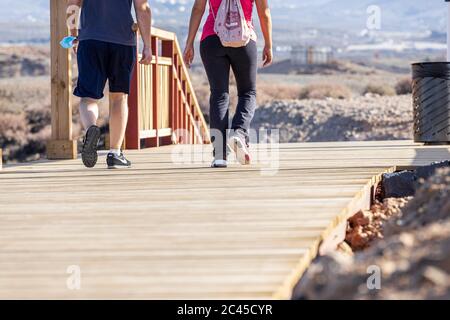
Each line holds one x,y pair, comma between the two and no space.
178,230
165,61
61,85
165,132
146,134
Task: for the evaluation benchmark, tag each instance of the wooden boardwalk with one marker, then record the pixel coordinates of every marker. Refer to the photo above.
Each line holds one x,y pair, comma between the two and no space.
168,230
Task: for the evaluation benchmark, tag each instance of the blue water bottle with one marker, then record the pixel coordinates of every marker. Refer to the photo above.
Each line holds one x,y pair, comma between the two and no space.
67,42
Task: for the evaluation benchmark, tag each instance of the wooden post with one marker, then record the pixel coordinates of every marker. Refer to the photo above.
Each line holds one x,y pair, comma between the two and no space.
132,134
167,50
61,145
185,114
154,142
175,99
180,104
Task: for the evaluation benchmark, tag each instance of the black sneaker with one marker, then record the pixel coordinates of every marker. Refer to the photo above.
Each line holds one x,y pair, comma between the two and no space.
117,162
89,152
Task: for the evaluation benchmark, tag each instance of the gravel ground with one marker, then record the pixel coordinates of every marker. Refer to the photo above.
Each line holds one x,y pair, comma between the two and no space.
361,118
413,257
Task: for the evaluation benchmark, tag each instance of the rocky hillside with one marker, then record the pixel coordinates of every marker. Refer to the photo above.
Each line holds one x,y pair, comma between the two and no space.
368,117
413,257
24,61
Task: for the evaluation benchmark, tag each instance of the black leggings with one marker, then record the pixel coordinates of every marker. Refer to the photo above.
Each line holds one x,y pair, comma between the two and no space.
217,60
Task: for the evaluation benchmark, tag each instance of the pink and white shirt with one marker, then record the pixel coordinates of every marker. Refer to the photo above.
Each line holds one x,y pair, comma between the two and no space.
208,28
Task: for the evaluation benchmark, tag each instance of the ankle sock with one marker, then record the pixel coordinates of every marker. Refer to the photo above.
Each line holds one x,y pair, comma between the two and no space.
117,152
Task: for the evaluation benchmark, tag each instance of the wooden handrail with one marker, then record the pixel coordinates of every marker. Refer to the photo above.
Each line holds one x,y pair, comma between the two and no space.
163,106
163,34
189,83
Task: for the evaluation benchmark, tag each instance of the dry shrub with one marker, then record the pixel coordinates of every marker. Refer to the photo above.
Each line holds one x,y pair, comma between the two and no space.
38,117
265,93
268,92
379,89
404,86
324,90
23,135
6,95
202,92
13,129
17,94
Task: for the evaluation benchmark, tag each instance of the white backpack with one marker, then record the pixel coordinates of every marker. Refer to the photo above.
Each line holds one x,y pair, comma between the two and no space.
230,24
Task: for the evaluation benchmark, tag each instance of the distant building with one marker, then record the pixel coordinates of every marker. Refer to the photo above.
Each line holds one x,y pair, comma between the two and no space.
302,55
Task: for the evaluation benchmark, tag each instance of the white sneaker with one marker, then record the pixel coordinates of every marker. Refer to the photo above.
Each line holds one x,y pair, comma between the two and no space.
240,148
219,164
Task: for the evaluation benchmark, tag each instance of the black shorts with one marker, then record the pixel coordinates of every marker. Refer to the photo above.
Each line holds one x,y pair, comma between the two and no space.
99,61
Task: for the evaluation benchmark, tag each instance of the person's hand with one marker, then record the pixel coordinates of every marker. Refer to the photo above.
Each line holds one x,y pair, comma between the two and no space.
147,56
267,56
188,55
75,46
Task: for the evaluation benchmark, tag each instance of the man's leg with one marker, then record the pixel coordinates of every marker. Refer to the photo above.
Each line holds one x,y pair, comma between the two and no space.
88,112
122,60
118,120
89,117
91,82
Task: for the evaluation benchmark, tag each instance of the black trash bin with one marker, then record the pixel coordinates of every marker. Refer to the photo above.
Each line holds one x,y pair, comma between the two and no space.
431,100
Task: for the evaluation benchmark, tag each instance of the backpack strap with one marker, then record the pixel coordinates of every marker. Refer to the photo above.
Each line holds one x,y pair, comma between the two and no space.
212,10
